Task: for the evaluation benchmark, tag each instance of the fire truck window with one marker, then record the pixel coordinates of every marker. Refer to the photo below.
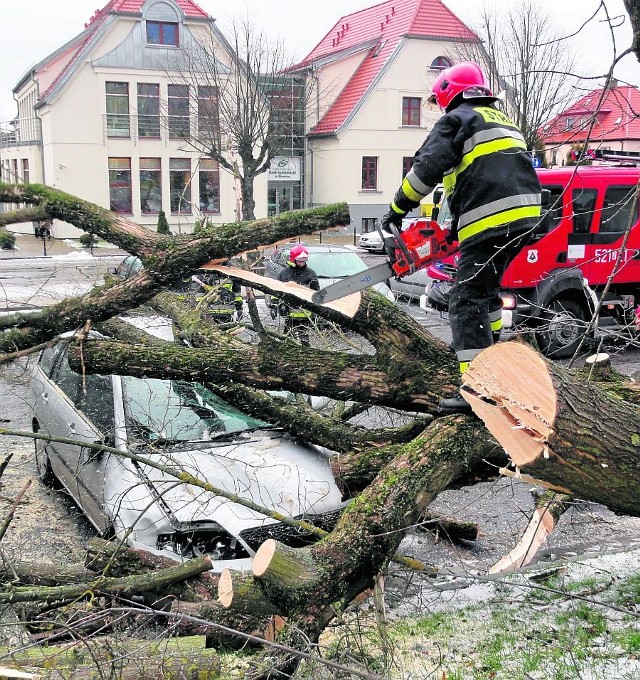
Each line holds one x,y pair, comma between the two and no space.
616,211
584,203
551,213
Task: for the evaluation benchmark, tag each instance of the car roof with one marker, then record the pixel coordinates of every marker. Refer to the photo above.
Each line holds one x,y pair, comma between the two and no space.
321,248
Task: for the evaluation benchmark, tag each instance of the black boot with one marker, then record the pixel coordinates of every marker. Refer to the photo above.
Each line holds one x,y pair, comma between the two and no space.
456,404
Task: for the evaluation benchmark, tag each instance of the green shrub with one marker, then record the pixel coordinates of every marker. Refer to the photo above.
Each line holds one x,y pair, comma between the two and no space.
163,225
88,240
7,240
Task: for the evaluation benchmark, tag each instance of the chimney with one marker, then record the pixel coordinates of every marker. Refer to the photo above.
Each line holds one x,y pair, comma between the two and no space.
613,83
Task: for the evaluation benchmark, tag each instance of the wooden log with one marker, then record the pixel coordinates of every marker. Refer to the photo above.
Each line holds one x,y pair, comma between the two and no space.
558,427
124,659
124,586
242,593
285,573
44,573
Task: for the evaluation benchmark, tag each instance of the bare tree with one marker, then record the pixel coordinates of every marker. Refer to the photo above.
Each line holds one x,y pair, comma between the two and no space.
527,57
247,108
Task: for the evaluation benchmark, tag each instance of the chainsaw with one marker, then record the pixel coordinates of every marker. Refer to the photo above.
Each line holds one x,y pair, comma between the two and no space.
415,247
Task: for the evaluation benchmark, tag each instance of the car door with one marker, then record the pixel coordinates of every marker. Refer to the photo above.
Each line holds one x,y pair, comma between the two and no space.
83,412
619,211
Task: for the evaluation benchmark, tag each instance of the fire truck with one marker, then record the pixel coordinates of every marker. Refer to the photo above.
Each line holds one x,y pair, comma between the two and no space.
582,263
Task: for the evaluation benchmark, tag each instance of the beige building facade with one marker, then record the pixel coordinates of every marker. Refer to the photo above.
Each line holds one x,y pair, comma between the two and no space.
104,119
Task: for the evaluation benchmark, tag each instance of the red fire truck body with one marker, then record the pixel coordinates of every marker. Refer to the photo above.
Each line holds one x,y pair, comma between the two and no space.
585,251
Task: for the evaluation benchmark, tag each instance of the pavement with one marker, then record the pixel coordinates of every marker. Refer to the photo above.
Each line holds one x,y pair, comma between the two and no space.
28,246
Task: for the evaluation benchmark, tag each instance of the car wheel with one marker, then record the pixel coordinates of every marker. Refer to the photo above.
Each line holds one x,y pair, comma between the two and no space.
43,464
563,327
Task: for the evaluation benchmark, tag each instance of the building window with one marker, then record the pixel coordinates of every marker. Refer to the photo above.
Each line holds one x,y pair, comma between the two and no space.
148,110
569,123
208,121
178,111
411,110
369,172
150,185
25,170
120,185
209,186
162,33
368,224
407,164
180,185
440,63
117,109
16,176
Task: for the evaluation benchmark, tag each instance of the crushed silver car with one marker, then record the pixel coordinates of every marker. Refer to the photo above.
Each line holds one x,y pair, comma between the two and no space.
186,427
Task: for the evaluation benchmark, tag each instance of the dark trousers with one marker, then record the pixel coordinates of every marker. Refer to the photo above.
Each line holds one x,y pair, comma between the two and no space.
474,298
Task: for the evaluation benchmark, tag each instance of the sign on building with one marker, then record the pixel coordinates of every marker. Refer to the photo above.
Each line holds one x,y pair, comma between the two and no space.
285,169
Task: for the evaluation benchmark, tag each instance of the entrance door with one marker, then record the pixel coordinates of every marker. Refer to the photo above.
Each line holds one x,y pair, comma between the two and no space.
283,197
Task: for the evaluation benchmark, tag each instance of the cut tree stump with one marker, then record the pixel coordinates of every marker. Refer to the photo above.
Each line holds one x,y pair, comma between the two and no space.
241,592
558,427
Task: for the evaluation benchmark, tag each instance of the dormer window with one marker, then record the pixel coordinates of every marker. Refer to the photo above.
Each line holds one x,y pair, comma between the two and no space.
440,63
568,123
162,33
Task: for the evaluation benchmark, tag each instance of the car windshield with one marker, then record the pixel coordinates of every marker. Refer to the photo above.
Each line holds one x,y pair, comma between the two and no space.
336,265
170,411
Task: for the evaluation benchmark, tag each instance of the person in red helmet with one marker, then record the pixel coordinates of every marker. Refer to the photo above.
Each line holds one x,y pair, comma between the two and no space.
297,271
494,195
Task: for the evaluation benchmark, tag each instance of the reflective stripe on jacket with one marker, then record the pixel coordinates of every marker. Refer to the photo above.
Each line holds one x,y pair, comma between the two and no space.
480,156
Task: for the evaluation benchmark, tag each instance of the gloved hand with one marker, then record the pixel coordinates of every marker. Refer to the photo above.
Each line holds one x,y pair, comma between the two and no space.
391,217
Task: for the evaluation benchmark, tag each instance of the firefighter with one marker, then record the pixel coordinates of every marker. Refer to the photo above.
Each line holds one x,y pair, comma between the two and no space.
481,158
297,271
223,295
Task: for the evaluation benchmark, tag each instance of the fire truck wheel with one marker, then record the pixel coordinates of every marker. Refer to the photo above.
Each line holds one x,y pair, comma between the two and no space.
563,328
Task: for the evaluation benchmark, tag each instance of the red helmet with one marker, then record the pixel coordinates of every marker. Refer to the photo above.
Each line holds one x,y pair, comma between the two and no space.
298,253
464,77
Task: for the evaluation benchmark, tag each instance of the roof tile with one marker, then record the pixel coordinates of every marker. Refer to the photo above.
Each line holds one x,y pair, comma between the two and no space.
617,118
388,22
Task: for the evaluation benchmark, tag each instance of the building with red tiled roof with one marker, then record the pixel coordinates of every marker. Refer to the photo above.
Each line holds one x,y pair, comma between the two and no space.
374,71
101,116
605,119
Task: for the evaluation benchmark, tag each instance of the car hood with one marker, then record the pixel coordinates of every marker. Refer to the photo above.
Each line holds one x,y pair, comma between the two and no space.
381,288
266,467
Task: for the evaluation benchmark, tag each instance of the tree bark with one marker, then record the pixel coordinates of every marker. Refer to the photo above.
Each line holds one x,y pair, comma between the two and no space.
128,660
556,427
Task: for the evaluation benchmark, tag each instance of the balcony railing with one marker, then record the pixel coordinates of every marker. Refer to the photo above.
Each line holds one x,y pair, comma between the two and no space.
20,132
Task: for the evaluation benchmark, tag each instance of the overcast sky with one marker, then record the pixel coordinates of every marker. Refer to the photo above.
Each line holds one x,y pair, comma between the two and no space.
32,29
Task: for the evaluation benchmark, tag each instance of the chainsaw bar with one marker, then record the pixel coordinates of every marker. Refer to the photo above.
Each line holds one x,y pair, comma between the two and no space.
353,284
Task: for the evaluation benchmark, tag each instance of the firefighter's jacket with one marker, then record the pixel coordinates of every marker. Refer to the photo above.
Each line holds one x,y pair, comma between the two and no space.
304,276
481,158
223,295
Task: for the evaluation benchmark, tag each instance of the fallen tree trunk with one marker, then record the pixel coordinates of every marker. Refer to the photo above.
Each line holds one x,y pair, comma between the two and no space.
124,659
576,436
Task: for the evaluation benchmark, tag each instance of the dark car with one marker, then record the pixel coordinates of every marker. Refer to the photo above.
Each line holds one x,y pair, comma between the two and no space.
188,428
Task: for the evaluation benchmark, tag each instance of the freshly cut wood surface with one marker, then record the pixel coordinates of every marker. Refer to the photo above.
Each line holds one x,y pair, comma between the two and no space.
515,399
347,305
